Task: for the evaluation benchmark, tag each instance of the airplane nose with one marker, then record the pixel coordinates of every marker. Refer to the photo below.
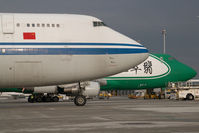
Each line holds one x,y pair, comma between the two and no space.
130,55
142,54
187,73
191,72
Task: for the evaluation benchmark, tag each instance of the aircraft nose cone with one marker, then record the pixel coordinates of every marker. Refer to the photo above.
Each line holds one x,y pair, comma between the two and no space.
188,73
133,56
192,72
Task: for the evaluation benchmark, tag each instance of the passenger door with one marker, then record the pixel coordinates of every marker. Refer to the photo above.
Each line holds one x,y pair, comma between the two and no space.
6,34
7,24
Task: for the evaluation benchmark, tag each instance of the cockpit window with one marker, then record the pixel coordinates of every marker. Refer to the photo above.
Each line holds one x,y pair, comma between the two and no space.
98,23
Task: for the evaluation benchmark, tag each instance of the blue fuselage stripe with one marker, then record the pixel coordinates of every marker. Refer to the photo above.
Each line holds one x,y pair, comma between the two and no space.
70,51
40,49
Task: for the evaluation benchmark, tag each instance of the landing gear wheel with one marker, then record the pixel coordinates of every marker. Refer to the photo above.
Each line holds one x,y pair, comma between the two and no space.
190,97
31,99
48,99
55,99
39,99
80,100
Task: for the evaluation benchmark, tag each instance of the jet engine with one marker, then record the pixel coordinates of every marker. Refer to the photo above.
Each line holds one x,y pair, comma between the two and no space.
88,89
80,92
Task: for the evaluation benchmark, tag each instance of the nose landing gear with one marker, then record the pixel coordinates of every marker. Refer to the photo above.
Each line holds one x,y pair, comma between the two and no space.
80,100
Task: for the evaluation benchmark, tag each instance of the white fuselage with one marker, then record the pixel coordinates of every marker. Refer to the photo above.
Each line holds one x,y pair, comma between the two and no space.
52,49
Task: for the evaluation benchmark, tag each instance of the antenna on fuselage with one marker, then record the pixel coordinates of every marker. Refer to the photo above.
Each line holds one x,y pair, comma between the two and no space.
164,40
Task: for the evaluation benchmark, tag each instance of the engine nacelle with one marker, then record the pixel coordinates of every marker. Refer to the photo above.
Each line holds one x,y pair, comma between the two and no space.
91,90
46,89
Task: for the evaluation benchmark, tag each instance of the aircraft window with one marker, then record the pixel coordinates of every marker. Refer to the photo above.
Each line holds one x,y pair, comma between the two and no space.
48,25
43,25
38,25
58,25
102,24
33,25
98,23
94,24
53,25
18,24
28,25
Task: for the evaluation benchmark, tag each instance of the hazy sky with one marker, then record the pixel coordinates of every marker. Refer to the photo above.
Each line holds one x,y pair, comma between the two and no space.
139,19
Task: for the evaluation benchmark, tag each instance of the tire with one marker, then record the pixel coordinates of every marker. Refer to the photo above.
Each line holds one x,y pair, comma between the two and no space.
48,99
55,99
31,99
190,97
80,100
39,99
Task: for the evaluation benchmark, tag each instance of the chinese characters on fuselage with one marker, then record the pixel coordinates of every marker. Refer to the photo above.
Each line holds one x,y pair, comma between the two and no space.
147,68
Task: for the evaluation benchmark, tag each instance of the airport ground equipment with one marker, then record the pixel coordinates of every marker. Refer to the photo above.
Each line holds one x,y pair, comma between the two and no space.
104,95
136,95
169,93
188,94
186,90
55,49
151,95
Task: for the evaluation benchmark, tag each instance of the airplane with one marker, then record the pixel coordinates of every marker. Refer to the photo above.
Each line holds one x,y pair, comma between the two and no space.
54,49
155,72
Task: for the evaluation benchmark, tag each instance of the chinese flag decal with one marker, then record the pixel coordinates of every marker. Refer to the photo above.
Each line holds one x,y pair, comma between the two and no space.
29,35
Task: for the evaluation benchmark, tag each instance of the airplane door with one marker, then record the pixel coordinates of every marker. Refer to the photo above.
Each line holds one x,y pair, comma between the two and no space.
6,33
0,29
7,24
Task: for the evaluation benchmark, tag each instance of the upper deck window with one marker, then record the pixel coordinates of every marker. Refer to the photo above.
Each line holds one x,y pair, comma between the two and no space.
48,25
18,24
58,25
98,23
